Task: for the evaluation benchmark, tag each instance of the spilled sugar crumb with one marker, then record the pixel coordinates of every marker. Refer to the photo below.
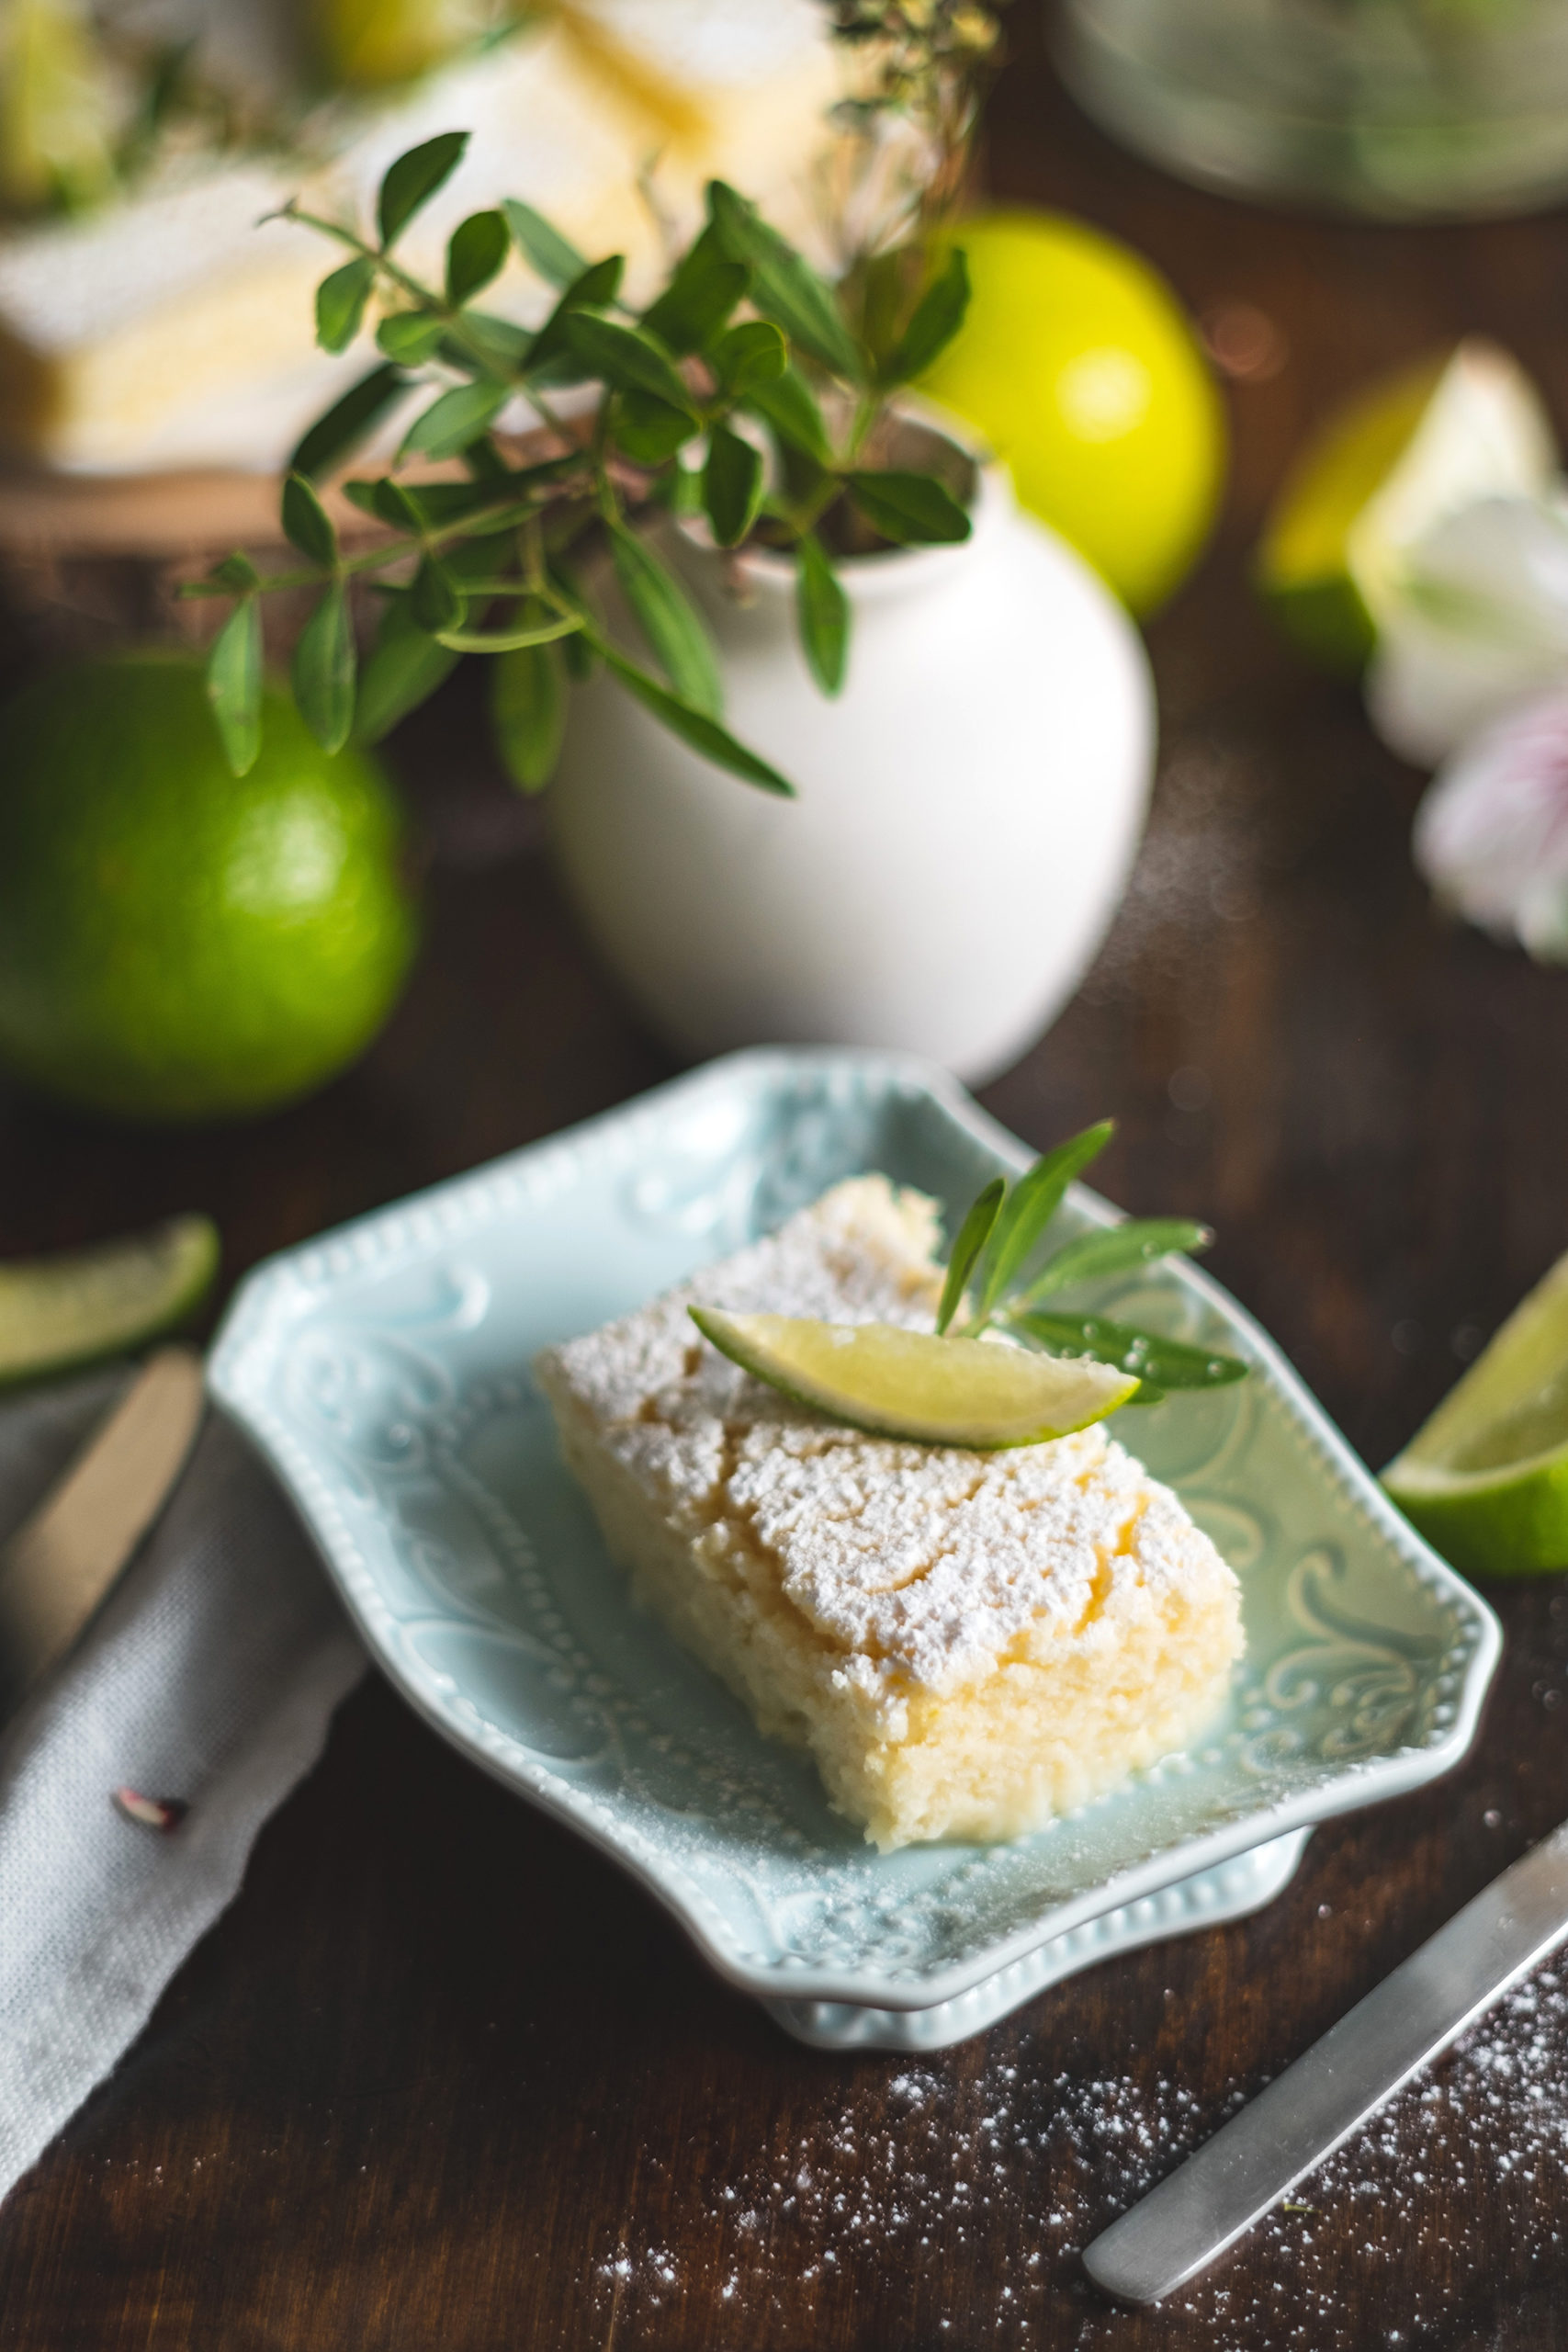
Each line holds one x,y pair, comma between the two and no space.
1005,2175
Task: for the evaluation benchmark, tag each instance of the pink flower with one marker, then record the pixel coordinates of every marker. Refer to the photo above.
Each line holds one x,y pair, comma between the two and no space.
1492,834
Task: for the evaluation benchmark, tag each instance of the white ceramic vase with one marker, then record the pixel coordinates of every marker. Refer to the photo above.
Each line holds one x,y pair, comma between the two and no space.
968,807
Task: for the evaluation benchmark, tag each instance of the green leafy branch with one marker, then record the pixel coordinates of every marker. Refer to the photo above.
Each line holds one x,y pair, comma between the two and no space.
995,1278
739,394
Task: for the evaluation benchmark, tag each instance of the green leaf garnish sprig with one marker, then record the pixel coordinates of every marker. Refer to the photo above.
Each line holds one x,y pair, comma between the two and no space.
743,391
993,1271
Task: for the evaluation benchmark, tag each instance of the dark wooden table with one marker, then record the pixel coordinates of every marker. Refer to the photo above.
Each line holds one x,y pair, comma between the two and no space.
442,2077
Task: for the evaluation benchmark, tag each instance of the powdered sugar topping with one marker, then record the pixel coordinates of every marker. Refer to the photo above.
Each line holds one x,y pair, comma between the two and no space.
922,1564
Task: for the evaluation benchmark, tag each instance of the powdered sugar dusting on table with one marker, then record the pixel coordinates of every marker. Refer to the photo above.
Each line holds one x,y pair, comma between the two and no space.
912,2164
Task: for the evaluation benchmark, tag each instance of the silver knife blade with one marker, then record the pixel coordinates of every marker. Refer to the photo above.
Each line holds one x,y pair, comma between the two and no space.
1302,2115
61,1561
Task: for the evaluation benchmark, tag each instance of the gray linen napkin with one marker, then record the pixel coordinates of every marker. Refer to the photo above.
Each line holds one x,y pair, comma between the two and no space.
209,1675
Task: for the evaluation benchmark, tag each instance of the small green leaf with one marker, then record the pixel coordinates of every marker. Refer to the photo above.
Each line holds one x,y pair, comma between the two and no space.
528,711
784,287
732,485
235,575
413,180
669,621
680,490
397,505
405,668
433,603
471,563
454,420
882,285
973,1236
323,668
390,501
475,253
790,410
348,421
1167,1364
1116,1248
503,345
822,614
911,509
482,461
938,316
411,337
306,523
751,354
497,503
340,303
649,431
596,288
234,684
555,257
1032,1203
698,298
694,727
625,358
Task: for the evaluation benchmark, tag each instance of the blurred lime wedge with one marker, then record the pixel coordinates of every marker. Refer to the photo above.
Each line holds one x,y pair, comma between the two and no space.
1398,458
1486,1479
909,1383
64,1310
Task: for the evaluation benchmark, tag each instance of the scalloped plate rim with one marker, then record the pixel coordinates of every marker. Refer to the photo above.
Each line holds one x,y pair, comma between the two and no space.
1354,1785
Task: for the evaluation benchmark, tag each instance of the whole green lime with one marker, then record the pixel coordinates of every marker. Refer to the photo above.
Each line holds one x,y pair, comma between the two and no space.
175,942
1078,366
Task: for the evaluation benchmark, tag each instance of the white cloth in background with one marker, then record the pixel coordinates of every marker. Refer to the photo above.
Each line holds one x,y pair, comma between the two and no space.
210,1676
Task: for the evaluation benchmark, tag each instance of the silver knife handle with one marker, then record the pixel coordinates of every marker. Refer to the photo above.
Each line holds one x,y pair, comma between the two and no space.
1302,2116
61,1563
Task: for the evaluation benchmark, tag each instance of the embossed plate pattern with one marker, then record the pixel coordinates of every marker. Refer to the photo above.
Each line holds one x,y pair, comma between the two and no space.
384,1370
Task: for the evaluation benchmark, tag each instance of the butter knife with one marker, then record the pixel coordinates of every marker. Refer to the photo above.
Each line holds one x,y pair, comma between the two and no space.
61,1562
1302,2115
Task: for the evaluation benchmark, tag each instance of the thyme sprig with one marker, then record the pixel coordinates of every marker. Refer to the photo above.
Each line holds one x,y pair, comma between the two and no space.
917,73
742,393
995,1277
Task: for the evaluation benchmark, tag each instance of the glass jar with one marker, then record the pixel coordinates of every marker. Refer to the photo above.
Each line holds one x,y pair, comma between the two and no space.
1399,108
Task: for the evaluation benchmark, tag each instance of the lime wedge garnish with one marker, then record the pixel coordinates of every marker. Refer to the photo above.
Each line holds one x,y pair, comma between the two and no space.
1485,1480
64,1310
909,1383
1386,468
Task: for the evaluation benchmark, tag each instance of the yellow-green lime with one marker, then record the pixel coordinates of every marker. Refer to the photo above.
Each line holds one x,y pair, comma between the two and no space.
58,111
1387,465
368,43
896,1383
70,1307
176,943
1079,368
1485,1480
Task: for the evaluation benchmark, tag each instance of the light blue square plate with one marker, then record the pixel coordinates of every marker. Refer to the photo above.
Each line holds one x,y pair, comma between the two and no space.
384,1370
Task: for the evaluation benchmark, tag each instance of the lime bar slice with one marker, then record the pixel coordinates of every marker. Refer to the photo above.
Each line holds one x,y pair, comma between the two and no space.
910,1384
64,1310
1486,1479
